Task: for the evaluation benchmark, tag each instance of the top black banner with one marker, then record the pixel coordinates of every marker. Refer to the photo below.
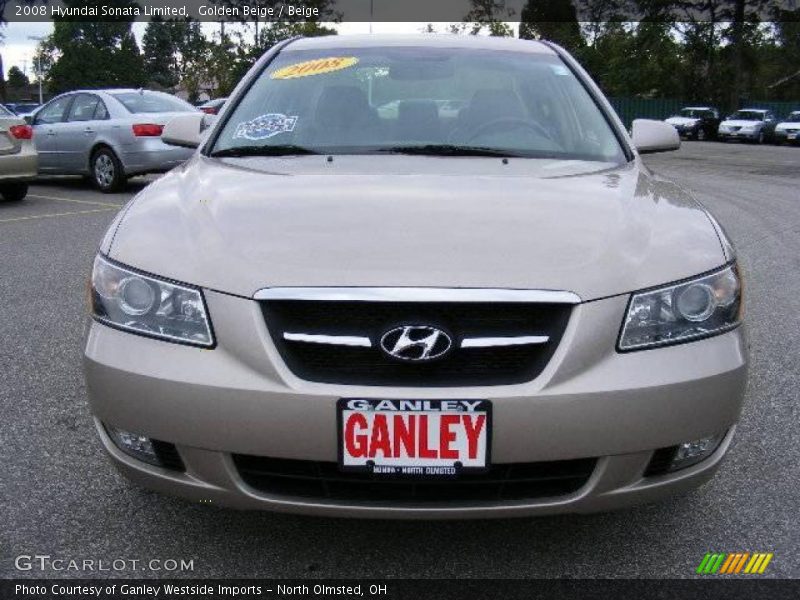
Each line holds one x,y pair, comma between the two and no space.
423,11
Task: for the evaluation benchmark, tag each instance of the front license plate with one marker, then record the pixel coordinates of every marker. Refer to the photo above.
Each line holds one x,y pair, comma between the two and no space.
420,438
791,136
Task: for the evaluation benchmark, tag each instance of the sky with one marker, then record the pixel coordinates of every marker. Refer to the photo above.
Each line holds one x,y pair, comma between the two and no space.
18,50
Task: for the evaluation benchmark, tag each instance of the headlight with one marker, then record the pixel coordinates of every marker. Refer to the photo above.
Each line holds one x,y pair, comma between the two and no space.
140,303
698,308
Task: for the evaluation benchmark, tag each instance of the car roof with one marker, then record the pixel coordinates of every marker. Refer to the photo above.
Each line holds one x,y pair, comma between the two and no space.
332,42
754,109
115,91
698,108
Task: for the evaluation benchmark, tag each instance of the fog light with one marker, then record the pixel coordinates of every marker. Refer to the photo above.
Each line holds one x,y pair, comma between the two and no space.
135,445
674,458
141,447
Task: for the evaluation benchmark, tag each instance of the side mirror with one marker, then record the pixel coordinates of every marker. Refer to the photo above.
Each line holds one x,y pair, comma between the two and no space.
654,136
183,131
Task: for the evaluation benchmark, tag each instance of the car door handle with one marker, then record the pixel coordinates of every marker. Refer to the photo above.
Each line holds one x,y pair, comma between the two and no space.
88,130
50,132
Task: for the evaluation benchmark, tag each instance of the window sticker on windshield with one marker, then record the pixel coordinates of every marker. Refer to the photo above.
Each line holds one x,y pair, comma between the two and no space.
318,66
265,126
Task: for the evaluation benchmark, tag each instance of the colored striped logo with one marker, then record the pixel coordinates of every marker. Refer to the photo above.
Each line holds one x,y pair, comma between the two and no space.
734,563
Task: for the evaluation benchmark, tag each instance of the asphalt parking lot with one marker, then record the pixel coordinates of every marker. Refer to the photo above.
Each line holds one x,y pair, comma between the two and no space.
60,497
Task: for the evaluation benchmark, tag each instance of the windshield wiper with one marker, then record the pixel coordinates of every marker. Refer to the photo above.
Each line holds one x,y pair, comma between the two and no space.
264,150
447,150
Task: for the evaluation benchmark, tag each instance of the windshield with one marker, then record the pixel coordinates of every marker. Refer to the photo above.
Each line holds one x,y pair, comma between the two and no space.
794,117
152,102
419,100
748,115
23,108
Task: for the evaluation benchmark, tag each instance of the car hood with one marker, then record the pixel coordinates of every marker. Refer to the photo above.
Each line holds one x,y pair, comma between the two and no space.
682,121
739,123
239,225
787,125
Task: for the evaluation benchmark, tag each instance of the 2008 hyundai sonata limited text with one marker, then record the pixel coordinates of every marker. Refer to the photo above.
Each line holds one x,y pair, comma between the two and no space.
422,276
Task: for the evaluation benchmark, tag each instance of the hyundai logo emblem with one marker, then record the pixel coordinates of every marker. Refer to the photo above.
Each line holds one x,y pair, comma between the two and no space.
416,342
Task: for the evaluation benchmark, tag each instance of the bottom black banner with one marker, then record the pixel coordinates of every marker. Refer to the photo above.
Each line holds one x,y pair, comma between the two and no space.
219,589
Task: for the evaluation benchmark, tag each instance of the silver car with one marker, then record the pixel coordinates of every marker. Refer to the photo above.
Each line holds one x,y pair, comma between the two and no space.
432,313
755,125
108,135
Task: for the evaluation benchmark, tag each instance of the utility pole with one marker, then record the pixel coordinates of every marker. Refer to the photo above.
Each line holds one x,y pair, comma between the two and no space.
38,66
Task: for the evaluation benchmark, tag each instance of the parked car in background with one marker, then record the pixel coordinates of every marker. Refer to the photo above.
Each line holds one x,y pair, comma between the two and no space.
751,124
23,109
212,107
108,135
696,122
17,157
788,130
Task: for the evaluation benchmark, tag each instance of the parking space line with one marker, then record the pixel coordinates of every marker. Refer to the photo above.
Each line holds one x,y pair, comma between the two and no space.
41,197
52,215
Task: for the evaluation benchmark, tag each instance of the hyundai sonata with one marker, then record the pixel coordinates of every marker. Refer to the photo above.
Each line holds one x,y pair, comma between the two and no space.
427,312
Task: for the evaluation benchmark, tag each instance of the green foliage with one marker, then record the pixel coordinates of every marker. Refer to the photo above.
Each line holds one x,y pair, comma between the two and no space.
486,16
727,59
16,78
94,54
175,52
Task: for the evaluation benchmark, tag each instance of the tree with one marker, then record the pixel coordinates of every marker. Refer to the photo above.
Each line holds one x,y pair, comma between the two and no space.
261,41
552,20
17,79
95,54
483,17
44,58
158,52
2,76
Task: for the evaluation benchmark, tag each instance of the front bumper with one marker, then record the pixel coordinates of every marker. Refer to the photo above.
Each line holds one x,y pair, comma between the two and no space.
793,137
686,130
590,401
738,135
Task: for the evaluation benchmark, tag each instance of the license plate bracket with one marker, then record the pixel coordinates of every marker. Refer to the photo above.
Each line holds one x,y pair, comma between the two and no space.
426,439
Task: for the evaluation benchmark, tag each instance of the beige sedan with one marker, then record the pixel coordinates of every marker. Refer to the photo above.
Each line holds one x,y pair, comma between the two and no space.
18,159
424,313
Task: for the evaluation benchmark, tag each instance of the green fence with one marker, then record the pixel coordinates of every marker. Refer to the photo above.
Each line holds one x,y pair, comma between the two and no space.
629,109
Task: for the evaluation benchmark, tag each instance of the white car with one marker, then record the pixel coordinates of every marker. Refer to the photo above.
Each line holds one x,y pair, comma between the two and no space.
788,130
752,124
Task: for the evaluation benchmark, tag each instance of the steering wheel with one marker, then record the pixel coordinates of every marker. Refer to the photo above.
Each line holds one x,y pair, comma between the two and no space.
504,123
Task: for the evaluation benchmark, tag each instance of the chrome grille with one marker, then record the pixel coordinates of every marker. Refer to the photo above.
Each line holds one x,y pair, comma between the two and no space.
339,341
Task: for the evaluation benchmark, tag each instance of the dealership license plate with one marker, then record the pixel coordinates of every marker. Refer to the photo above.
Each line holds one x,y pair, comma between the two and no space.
420,438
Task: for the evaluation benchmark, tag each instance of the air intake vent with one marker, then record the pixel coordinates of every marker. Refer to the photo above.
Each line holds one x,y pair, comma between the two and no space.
323,480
